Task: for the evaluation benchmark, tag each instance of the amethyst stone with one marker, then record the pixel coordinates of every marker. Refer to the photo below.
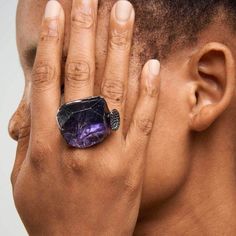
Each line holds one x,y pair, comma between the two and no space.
85,123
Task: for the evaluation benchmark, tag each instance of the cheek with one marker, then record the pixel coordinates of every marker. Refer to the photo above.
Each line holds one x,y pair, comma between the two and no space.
167,161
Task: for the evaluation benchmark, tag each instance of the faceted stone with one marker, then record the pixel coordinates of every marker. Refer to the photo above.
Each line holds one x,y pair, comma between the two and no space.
84,123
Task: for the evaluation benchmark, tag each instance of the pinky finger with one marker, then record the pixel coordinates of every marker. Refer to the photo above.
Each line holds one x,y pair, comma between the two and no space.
142,123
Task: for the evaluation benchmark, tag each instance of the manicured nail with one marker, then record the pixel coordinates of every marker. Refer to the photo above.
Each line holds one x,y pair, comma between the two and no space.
154,67
123,10
52,9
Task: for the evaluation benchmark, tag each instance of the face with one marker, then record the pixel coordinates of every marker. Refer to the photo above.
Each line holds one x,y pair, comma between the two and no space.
165,170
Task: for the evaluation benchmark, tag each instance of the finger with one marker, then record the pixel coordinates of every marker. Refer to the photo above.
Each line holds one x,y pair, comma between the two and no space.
80,66
114,84
45,97
144,115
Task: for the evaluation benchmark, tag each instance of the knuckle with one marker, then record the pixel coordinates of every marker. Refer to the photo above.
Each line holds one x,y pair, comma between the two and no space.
117,174
113,90
145,125
82,18
132,185
78,73
152,92
74,162
119,40
43,75
39,153
113,169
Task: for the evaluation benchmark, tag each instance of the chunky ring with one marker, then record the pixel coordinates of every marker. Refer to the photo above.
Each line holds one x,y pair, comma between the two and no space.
87,122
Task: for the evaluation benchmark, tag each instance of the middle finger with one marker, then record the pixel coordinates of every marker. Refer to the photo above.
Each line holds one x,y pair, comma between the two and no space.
80,66
114,85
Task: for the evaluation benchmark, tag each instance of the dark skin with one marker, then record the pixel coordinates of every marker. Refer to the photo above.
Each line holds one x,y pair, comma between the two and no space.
78,201
189,179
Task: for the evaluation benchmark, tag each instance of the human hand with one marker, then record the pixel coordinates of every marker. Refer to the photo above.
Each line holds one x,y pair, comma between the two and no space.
59,190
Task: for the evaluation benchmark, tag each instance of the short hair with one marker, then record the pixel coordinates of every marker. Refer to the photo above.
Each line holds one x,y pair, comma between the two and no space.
162,24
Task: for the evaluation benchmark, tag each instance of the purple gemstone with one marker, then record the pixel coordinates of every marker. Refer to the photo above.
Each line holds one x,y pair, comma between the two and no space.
84,123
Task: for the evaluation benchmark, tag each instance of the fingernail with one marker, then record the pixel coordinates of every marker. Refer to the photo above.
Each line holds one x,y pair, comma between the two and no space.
52,9
123,10
154,67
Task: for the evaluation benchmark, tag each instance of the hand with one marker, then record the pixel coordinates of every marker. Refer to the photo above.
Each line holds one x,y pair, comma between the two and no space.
63,191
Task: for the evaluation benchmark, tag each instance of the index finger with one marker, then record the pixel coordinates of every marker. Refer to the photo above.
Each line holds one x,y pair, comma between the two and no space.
45,97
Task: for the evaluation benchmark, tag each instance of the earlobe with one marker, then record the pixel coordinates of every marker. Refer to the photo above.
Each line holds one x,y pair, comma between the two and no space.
213,75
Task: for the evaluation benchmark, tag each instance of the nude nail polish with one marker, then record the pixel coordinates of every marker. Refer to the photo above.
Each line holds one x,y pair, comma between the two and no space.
154,67
123,10
52,9
51,16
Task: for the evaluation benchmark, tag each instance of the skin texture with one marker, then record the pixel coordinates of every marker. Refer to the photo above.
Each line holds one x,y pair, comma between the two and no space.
83,192
189,185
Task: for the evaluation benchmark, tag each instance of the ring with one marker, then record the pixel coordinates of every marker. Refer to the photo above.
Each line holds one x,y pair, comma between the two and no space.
87,122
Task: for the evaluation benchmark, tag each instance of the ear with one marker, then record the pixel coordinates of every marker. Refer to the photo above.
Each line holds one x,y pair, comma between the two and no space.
212,72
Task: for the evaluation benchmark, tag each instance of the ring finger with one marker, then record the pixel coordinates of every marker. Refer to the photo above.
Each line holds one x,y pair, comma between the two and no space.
80,66
115,76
